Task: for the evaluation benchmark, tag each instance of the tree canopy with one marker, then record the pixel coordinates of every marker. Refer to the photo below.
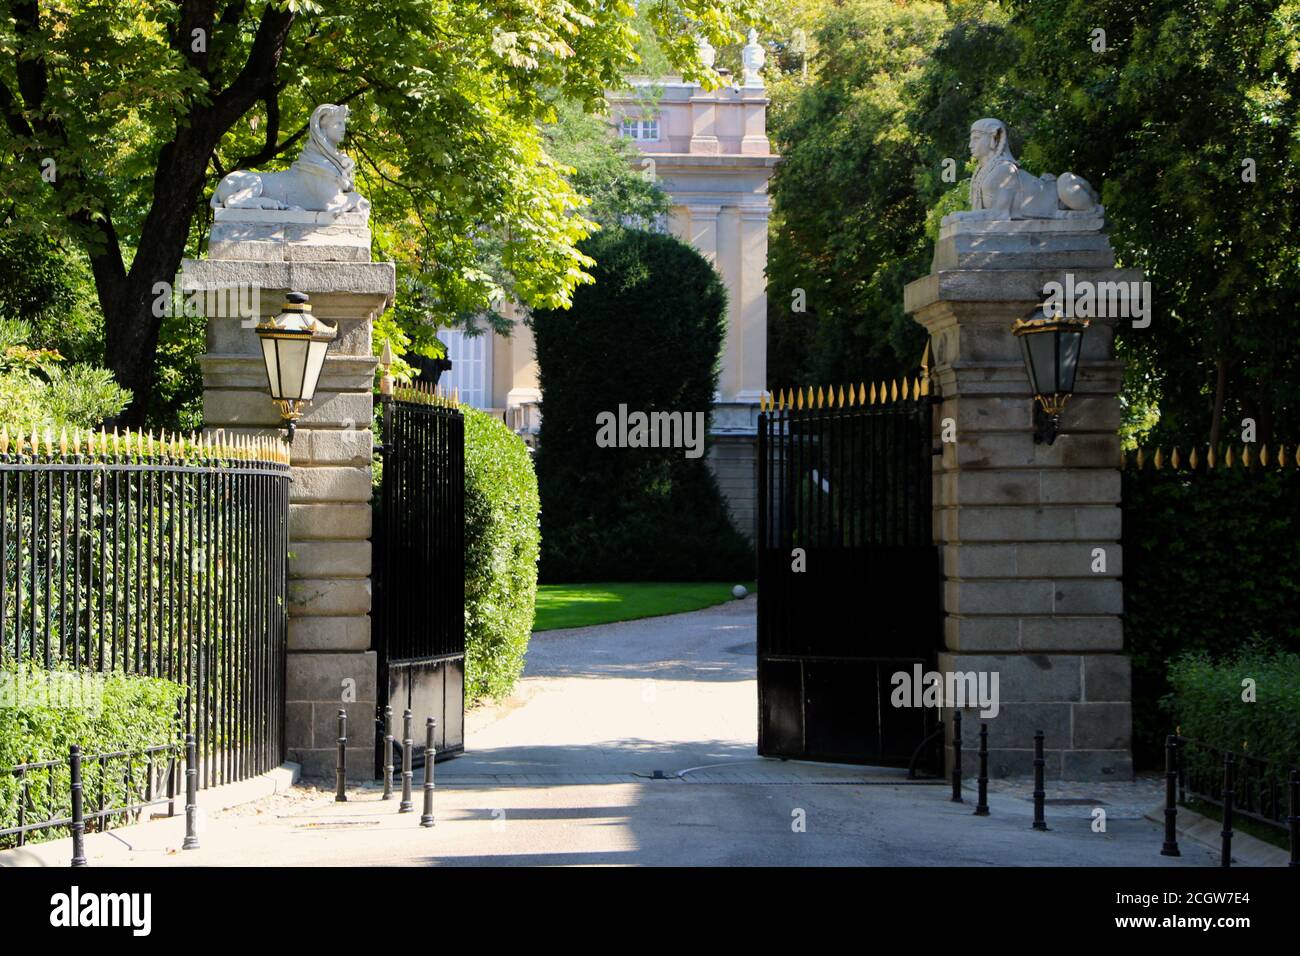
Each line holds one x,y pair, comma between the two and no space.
1182,113
119,117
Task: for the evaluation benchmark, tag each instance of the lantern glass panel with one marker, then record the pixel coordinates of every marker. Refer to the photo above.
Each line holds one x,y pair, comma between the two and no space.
271,357
315,361
1041,360
1071,344
293,365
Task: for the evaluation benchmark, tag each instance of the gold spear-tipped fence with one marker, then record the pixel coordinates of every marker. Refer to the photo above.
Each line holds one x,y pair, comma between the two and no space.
422,393
850,396
141,447
1207,458
845,396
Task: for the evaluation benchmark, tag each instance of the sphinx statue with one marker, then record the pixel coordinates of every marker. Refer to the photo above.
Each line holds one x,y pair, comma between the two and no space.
1002,189
322,179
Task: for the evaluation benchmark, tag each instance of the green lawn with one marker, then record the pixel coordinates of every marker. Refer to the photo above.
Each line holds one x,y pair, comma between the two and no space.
581,605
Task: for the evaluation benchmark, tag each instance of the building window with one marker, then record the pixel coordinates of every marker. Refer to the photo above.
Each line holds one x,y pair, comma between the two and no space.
471,366
645,130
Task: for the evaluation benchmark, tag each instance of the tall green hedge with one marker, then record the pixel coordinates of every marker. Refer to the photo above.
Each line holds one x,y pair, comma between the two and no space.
1211,564
1206,703
501,543
40,719
647,335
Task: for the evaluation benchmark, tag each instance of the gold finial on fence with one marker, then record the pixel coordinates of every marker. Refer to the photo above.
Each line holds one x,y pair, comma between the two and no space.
1227,459
821,397
1141,459
925,360
841,396
1192,461
873,393
798,399
63,441
1159,460
1263,456
4,440
1245,456
1173,459
862,393
1211,458
1281,456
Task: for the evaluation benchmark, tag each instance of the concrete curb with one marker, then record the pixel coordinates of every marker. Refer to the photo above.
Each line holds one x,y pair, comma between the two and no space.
103,847
1246,849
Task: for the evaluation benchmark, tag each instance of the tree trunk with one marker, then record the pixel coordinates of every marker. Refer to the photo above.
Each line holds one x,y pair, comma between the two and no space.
1220,395
131,329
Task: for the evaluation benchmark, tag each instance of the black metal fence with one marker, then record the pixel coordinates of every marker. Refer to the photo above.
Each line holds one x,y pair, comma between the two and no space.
419,544
1258,786
848,589
157,556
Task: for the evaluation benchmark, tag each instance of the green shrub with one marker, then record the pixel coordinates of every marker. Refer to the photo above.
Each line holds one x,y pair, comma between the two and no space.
1206,704
501,544
38,390
1212,564
647,335
40,720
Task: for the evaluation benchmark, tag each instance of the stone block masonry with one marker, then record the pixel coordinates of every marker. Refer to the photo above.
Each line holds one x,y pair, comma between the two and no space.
330,663
1029,532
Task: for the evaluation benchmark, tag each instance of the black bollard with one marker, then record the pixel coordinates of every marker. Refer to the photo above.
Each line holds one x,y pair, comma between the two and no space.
388,752
1293,816
430,753
1171,798
1040,795
956,756
982,804
405,806
341,764
1229,772
191,841
78,811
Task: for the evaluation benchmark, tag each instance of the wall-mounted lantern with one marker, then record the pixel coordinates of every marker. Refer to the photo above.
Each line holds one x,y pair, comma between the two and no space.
1051,345
294,344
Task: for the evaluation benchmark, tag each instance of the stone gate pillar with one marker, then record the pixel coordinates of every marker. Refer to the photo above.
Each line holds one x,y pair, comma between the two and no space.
1020,524
255,257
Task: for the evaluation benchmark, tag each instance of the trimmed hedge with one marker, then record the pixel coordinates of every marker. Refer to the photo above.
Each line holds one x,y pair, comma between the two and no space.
501,544
647,335
1211,564
1206,704
132,713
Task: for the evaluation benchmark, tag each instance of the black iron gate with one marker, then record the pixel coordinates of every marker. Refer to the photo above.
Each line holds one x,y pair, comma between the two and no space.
848,574
419,536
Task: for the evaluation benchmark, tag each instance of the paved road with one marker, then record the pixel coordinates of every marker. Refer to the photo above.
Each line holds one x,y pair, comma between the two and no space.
565,773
